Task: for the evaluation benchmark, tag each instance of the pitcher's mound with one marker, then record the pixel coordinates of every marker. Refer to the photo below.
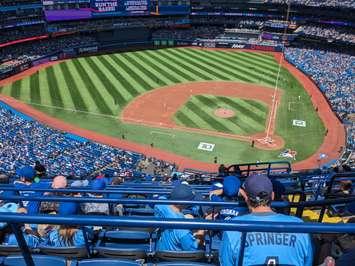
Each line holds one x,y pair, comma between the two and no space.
224,113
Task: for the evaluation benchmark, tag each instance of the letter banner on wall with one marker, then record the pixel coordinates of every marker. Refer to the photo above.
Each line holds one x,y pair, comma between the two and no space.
105,8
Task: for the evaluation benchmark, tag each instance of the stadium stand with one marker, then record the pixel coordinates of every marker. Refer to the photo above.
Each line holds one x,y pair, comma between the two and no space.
132,238
65,200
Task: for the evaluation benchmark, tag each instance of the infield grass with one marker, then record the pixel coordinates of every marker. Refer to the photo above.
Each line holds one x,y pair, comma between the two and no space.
91,92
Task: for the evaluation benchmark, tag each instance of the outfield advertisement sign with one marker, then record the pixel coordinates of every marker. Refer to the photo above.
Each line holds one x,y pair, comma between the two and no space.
119,8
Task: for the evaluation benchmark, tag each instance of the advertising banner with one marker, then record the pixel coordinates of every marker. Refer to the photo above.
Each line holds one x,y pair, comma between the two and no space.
119,8
67,14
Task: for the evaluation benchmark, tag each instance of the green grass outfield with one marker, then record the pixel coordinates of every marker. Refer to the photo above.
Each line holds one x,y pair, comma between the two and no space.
91,92
198,112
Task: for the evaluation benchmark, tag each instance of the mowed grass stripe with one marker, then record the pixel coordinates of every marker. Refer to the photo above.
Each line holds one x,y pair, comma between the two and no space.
269,62
211,103
239,57
35,90
169,67
241,121
196,118
247,67
207,65
97,84
53,87
191,70
207,118
194,66
107,84
119,60
155,65
73,89
263,108
159,71
217,64
117,85
91,88
149,70
185,120
130,60
16,89
125,84
237,106
63,89
238,68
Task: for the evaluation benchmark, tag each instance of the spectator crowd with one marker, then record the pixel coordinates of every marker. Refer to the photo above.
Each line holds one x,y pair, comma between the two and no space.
333,72
329,33
317,3
24,141
34,50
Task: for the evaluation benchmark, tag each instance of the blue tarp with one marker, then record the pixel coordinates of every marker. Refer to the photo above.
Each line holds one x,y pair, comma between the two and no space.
76,137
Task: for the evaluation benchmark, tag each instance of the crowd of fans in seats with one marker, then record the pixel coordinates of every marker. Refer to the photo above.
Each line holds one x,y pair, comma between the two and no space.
330,33
317,3
254,193
244,35
44,47
188,34
20,17
223,20
24,141
333,72
18,2
21,33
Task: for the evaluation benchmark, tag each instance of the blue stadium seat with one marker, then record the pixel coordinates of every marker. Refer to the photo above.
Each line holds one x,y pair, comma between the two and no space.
6,250
124,244
39,260
107,262
139,212
198,255
66,252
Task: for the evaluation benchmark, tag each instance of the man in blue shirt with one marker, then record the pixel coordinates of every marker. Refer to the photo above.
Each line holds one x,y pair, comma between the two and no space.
263,248
177,239
26,175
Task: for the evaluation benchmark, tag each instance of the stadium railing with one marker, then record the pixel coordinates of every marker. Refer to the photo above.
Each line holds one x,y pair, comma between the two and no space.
14,220
261,167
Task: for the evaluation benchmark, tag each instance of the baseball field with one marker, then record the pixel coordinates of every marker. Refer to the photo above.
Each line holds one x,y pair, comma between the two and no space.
177,98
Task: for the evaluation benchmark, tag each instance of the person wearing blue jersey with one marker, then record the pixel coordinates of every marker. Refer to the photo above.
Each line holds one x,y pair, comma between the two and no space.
65,235
27,175
265,248
228,192
178,239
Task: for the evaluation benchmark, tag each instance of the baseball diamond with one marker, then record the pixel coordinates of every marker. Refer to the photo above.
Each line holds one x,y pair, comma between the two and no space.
93,92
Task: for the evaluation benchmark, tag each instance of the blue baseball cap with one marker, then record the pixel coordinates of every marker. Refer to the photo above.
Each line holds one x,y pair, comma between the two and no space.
182,192
68,208
256,184
26,172
216,186
231,185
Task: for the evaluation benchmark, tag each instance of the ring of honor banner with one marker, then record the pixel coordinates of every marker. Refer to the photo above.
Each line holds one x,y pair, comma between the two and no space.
119,8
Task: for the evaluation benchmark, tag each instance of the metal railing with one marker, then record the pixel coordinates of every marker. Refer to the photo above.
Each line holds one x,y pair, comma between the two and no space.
14,220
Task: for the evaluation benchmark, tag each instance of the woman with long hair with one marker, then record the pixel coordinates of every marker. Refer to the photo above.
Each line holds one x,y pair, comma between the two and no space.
66,235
